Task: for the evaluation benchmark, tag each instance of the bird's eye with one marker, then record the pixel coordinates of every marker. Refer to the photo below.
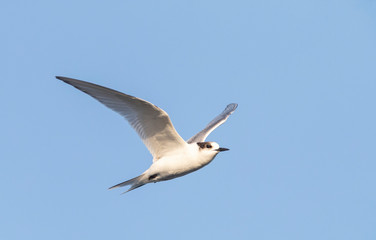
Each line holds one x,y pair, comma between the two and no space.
208,146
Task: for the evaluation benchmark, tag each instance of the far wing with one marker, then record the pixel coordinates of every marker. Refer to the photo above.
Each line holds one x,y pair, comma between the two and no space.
216,122
152,124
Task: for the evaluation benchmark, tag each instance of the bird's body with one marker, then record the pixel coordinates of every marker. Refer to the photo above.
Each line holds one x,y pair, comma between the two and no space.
172,156
180,163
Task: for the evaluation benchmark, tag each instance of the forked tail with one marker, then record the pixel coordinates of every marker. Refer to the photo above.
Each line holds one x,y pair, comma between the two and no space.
135,182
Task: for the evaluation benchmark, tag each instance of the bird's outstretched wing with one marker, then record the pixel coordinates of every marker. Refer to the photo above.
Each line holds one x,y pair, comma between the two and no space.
152,124
216,122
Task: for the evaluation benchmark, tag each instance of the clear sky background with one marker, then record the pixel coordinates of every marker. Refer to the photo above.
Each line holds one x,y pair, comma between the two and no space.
302,162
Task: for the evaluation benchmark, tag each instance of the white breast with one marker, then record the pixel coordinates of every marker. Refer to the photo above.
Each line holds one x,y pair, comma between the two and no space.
181,163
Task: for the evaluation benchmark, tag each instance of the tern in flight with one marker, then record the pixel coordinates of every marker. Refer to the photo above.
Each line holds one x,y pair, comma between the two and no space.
172,156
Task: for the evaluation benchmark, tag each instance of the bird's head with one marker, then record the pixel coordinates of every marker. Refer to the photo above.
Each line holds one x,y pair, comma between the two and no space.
210,148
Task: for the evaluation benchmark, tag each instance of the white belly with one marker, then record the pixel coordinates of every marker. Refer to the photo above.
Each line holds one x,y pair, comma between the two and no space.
175,166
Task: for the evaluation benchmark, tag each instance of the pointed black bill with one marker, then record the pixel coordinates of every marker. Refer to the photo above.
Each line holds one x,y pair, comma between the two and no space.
222,149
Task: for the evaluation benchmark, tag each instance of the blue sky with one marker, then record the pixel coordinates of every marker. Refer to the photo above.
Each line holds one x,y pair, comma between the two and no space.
302,160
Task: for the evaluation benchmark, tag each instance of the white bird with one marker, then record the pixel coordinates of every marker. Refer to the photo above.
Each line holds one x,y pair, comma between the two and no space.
172,156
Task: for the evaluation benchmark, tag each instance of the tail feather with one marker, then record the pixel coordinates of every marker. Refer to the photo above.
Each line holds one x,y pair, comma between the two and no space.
135,182
137,185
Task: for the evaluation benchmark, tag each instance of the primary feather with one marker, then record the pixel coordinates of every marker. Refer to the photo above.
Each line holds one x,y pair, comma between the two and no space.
152,124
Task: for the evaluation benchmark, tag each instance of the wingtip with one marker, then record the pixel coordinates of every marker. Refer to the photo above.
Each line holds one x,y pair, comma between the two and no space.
69,81
234,104
64,79
231,106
